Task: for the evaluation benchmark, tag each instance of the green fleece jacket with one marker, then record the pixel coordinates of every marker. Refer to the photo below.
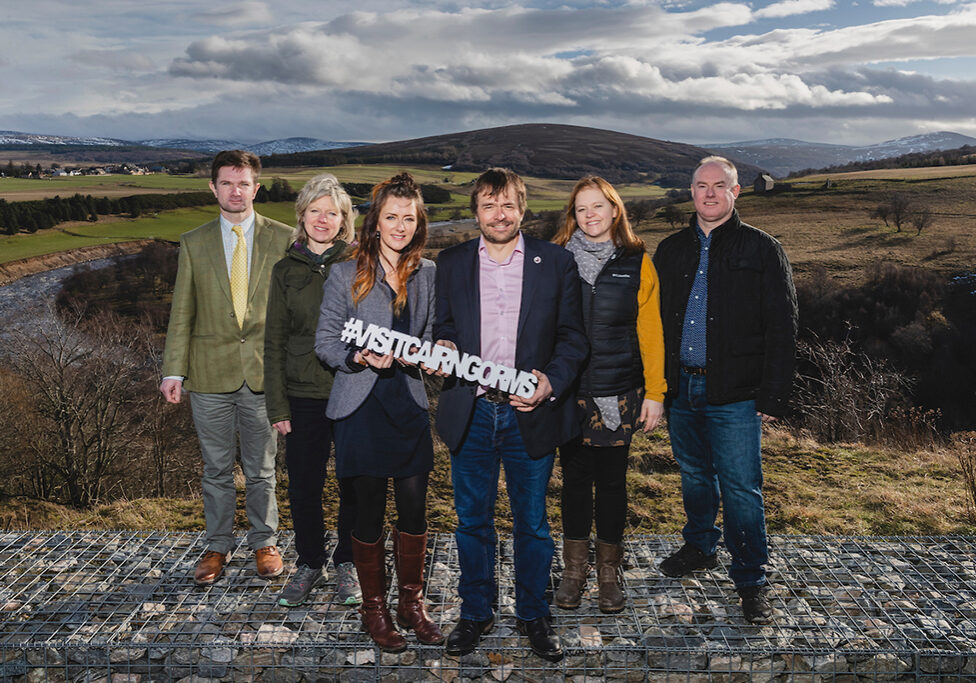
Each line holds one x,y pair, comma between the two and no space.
291,367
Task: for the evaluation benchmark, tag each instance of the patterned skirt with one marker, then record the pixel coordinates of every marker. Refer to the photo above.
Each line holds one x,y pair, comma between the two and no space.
596,433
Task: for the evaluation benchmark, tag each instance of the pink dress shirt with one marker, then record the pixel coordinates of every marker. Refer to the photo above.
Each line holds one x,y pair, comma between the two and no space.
501,300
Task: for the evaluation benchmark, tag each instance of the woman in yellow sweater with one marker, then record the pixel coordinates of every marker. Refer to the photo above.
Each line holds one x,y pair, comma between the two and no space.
621,389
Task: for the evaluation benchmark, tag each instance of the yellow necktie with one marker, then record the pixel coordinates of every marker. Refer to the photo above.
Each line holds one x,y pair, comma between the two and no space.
238,276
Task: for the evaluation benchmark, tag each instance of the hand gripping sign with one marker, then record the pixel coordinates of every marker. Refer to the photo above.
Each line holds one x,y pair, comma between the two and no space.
435,357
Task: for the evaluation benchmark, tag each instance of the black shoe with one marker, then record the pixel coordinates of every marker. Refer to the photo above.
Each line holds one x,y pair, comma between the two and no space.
686,560
755,604
466,635
542,638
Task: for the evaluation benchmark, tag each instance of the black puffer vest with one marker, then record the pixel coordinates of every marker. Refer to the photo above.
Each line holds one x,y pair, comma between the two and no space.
610,318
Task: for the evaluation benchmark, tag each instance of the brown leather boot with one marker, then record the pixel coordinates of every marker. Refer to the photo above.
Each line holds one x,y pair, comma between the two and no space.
608,557
411,610
575,569
371,567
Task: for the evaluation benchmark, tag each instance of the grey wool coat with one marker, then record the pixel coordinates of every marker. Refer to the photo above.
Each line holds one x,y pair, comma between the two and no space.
353,382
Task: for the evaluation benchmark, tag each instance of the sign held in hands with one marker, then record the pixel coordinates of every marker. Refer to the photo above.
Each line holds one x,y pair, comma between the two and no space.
436,357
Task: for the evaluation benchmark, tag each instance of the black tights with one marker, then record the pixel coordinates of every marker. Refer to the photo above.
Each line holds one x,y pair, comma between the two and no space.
605,469
410,496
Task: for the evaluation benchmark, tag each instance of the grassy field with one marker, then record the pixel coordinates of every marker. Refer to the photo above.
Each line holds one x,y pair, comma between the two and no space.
833,228
167,225
24,189
843,489
929,173
810,487
544,195
820,227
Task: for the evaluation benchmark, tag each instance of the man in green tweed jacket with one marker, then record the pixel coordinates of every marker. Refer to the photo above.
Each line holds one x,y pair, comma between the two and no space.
215,349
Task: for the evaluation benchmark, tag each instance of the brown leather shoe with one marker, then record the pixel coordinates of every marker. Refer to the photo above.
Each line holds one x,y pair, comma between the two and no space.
268,560
210,567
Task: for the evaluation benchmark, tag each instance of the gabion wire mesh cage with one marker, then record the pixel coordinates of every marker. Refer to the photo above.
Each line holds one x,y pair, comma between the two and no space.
122,607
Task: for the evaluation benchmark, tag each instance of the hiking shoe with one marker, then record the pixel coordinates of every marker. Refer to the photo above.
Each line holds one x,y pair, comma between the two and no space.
299,586
686,560
755,604
347,585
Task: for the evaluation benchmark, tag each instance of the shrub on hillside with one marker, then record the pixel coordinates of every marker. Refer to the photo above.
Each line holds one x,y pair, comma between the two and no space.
841,394
965,449
137,288
910,317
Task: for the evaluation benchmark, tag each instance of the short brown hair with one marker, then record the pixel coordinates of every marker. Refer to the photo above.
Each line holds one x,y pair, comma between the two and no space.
236,158
496,180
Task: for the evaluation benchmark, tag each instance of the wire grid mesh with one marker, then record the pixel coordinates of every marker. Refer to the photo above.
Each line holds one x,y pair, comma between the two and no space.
121,606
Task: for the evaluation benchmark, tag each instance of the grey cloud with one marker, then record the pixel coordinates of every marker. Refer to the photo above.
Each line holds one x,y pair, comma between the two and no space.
378,117
634,66
787,8
391,44
119,60
240,14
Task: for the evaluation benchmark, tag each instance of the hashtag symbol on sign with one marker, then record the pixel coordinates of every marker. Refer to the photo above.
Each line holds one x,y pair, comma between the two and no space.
349,331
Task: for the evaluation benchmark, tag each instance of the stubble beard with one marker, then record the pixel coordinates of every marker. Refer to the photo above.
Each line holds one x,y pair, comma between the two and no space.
500,238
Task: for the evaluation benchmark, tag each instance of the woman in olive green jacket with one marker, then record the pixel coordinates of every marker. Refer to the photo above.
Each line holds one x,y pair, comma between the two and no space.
297,386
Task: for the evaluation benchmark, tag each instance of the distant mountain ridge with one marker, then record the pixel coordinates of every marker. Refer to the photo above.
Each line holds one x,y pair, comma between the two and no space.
266,148
543,150
539,149
12,137
9,138
782,156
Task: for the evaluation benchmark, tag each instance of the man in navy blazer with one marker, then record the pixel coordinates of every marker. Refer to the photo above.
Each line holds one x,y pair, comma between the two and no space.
513,300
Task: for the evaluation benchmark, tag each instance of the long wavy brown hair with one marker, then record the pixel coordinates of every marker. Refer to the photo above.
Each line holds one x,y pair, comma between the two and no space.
367,252
621,233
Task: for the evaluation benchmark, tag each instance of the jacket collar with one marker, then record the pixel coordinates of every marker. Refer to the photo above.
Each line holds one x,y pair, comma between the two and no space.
728,226
300,253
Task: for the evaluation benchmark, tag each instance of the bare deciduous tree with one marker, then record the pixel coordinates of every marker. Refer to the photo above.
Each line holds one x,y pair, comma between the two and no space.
896,208
673,215
638,212
845,395
87,383
921,219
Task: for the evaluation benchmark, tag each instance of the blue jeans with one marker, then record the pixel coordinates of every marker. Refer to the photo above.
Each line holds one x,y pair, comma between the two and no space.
718,450
494,438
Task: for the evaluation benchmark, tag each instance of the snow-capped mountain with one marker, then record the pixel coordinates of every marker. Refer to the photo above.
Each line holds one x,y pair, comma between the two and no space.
781,156
204,146
207,146
289,145
12,137
282,146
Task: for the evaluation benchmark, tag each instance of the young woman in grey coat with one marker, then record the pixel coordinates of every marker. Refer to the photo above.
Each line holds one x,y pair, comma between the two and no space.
382,428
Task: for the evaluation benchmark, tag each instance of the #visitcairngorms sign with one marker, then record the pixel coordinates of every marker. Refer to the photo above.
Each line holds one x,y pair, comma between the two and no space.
435,357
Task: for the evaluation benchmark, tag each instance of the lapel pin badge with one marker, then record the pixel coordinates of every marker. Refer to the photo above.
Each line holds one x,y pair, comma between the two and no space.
537,259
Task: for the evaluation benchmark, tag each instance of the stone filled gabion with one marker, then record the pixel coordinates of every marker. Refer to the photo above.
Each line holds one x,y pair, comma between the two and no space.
121,607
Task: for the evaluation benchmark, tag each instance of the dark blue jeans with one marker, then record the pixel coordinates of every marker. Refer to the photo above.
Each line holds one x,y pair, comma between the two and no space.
718,450
493,439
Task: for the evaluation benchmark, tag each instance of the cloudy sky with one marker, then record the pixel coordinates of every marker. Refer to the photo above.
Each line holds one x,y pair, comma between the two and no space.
821,70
